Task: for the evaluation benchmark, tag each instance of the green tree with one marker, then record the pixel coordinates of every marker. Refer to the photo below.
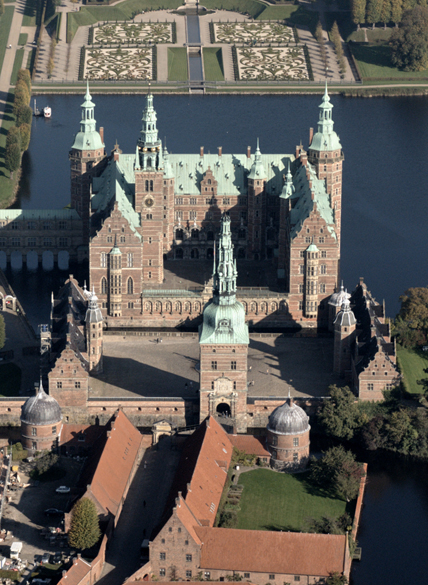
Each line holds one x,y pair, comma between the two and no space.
24,115
22,96
374,10
340,416
385,15
13,158
410,43
13,137
396,11
338,472
85,528
25,130
2,332
24,75
336,579
358,9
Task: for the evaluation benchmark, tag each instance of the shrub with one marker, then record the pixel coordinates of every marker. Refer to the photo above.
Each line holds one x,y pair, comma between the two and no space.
24,75
24,115
25,130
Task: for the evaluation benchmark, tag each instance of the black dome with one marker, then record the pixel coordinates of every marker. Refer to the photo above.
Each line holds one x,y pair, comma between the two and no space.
288,419
41,409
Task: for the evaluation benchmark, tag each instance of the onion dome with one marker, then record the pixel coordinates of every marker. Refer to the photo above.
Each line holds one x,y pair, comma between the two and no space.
337,299
41,409
345,317
288,419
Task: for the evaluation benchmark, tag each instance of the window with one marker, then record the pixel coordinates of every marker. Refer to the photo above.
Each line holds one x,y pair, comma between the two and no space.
271,577
130,286
322,288
321,240
63,242
242,201
323,269
188,558
3,242
54,430
170,529
47,242
295,458
247,575
31,225
296,442
130,258
300,305
186,542
34,431
31,242
226,201
103,286
77,384
297,577
46,225
323,254
213,365
233,365
149,216
62,225
162,556
301,269
122,239
193,201
103,260
163,541
207,574
188,574
308,239
370,387
301,288
130,305
15,242
179,200
14,225
162,572
59,384
150,274
192,215
34,445
151,185
178,215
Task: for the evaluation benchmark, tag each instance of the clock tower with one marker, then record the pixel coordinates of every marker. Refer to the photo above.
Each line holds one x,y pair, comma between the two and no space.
149,194
223,341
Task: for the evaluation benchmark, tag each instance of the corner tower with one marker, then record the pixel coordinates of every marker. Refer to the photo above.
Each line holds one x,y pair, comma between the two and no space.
344,336
149,194
94,335
85,154
223,341
325,153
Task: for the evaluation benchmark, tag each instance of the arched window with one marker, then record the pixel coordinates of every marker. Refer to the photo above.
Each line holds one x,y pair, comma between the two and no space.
151,185
209,181
195,234
147,185
242,234
103,286
130,286
194,253
179,234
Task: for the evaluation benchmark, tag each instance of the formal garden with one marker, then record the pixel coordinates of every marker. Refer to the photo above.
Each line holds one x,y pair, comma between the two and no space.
133,33
271,63
257,32
135,63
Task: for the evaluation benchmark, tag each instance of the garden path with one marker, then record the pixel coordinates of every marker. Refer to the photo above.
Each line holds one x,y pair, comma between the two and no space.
9,58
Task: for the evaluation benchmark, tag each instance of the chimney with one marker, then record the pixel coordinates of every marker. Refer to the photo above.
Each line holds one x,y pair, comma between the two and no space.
248,151
64,574
116,155
201,151
297,151
108,434
311,135
102,134
220,150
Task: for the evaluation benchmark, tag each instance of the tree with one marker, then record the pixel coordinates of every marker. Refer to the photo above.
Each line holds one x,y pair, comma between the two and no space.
410,42
22,96
374,10
340,416
85,528
13,158
25,130
336,579
24,115
338,472
2,332
358,8
24,75
1,7
13,136
385,14
396,11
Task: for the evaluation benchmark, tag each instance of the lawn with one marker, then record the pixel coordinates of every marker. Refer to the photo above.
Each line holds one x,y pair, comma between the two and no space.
5,22
374,62
177,64
281,501
17,64
412,363
10,380
213,64
23,38
7,187
30,13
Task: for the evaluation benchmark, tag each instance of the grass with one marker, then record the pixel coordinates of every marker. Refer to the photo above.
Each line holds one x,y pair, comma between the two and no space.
23,38
378,34
17,64
281,501
10,380
7,186
412,363
177,64
5,23
30,13
374,63
213,64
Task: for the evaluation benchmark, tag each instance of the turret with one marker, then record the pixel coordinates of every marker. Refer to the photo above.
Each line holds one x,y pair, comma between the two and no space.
344,336
94,335
256,207
115,282
149,146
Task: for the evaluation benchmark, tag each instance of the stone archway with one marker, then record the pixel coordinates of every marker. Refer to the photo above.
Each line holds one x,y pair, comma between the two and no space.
223,409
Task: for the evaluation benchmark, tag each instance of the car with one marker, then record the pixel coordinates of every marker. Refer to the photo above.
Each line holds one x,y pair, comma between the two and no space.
53,512
57,558
45,558
62,489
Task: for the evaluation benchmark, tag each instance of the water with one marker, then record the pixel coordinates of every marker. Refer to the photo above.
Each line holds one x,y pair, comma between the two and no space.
193,33
195,59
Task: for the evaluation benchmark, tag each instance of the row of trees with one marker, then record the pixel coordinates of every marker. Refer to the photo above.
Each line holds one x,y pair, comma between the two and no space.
411,324
18,136
373,11
386,425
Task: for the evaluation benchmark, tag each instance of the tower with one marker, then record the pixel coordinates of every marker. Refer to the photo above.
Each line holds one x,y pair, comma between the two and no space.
85,154
310,303
94,335
344,336
149,194
325,153
256,208
223,341
115,281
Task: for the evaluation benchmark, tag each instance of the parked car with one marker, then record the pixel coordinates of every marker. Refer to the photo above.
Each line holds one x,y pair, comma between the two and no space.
45,558
62,489
57,558
53,512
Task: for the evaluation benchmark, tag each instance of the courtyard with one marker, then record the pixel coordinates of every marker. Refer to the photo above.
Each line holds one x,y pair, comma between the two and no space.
140,366
283,501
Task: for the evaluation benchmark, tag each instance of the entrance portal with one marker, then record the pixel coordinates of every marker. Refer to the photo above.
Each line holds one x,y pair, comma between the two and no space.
223,409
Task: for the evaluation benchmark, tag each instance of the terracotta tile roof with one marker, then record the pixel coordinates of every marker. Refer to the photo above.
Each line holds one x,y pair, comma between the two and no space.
249,444
115,464
291,553
70,434
184,513
76,573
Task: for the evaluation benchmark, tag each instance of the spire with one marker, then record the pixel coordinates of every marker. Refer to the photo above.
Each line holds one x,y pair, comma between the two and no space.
257,170
88,138
288,188
149,145
325,138
225,273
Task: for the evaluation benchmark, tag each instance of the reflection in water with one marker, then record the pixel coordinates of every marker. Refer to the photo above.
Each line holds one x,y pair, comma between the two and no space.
24,189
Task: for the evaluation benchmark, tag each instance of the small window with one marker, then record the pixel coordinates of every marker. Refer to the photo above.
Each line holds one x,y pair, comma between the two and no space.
186,542
297,577
233,365
207,574
247,575
213,365
370,387
179,529
34,431
296,442
188,574
170,529
162,556
59,384
295,458
271,577
77,384
162,572
163,541
188,558
54,430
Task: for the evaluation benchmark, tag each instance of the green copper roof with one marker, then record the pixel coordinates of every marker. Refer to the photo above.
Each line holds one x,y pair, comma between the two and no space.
325,138
88,138
224,316
312,248
257,170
